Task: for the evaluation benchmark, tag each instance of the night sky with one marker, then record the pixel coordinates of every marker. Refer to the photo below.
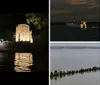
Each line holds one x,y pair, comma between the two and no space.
8,23
74,10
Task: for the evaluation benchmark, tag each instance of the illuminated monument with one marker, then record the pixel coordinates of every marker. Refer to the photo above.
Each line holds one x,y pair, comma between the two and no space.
23,33
83,25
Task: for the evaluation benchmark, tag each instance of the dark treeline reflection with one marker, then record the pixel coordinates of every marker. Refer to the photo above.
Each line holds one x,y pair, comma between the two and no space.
60,74
23,62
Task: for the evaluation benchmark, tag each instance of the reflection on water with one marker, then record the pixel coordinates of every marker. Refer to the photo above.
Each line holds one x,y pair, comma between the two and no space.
22,62
1,59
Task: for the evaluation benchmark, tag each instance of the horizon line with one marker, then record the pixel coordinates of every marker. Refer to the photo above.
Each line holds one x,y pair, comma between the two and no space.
79,47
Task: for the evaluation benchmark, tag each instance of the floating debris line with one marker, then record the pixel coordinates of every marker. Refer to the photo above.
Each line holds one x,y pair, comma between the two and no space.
61,74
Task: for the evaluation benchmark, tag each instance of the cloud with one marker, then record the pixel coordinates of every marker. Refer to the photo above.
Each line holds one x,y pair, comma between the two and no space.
59,11
75,17
75,2
89,3
93,5
75,10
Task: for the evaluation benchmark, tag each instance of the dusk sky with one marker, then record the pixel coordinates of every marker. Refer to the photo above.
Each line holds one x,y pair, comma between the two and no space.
74,10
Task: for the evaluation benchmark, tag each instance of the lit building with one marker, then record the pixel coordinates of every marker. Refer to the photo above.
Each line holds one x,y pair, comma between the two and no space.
23,33
83,24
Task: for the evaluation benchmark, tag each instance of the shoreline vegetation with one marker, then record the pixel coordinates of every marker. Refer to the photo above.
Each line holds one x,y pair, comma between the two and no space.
56,74
23,47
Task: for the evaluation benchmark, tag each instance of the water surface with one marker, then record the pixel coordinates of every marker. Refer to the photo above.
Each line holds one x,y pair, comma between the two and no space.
92,78
16,62
75,59
63,33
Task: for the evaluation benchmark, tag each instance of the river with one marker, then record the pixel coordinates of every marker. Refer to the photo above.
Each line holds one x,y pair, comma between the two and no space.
74,59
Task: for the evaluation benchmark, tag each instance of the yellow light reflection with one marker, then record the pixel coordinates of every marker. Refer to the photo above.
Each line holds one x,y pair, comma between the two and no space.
22,61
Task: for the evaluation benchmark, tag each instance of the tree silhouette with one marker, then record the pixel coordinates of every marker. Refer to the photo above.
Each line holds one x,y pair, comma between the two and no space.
39,20
39,25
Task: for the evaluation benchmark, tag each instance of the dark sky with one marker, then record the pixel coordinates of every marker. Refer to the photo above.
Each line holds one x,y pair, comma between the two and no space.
74,10
8,22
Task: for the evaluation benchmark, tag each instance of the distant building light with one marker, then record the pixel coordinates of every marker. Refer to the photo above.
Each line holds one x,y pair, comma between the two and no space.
83,24
23,33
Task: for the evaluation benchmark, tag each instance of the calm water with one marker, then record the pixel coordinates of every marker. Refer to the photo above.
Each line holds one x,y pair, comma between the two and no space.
24,61
18,62
63,33
79,79
74,59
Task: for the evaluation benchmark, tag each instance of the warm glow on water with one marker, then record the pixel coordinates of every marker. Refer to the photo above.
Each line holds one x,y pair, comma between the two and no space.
22,61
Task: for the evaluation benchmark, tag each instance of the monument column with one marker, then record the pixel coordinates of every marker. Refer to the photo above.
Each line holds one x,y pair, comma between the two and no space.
25,34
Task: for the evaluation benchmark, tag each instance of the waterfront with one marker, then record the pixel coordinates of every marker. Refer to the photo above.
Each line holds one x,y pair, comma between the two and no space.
64,59
91,78
24,61
60,32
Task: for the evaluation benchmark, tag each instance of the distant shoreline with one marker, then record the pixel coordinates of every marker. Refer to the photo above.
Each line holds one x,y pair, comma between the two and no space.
73,22
22,47
73,47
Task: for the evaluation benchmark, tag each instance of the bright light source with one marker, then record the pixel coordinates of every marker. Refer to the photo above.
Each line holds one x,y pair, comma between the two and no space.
23,33
83,24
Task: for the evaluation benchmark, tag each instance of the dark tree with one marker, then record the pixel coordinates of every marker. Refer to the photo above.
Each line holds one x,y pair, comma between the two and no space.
39,24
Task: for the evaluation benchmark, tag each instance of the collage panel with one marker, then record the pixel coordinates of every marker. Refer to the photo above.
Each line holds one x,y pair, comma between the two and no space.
24,43
74,63
74,20
24,47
